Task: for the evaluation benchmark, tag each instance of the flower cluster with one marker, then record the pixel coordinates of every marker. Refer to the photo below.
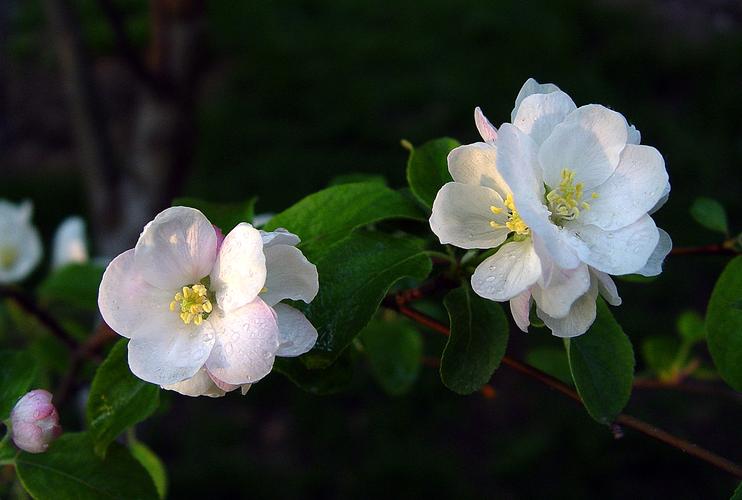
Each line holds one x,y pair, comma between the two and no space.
565,194
204,312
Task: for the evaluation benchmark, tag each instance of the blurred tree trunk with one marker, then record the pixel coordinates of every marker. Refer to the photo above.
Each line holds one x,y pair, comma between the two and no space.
129,183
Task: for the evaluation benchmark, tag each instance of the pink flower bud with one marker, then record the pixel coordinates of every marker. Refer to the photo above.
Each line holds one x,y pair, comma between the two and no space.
35,422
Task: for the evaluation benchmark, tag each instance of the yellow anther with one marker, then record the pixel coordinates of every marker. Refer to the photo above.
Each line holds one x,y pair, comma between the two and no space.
514,223
8,256
192,304
496,210
565,201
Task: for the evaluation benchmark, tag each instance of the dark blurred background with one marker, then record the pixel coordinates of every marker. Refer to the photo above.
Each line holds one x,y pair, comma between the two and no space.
110,108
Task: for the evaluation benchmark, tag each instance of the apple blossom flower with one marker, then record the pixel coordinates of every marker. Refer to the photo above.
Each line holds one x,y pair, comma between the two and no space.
289,275
35,422
20,244
69,245
566,194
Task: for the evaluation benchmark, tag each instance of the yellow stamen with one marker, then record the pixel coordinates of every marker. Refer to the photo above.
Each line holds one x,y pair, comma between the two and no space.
8,256
514,222
192,304
565,201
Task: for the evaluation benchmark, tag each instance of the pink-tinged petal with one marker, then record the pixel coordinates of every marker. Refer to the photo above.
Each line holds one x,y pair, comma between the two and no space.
507,273
477,164
296,335
606,287
221,384
653,267
280,236
623,251
34,422
538,114
579,319
589,142
520,308
239,272
462,215
531,87
567,285
219,239
246,344
484,127
166,350
126,300
520,169
634,188
178,248
289,275
198,385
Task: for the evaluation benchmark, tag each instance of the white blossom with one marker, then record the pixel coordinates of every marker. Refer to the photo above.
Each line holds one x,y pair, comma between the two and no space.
566,194
69,245
20,244
35,422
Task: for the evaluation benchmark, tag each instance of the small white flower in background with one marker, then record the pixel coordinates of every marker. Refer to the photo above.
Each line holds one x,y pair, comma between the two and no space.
69,245
35,422
200,314
571,190
20,244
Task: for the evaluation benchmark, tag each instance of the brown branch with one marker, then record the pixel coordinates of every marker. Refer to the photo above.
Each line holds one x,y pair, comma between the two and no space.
623,419
28,304
726,248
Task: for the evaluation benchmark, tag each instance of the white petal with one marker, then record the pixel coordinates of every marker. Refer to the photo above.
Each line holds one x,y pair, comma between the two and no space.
633,136
462,214
623,251
296,335
520,308
280,236
261,220
177,248
634,188
579,319
239,271
289,275
23,242
607,287
164,350
663,199
538,114
519,167
589,142
484,127
477,164
509,272
69,244
566,286
529,88
126,300
198,385
653,267
246,343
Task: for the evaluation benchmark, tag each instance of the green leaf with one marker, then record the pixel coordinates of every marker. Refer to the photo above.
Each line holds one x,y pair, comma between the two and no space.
394,350
427,168
355,275
7,451
74,285
602,366
660,352
225,216
330,380
70,470
152,464
117,399
724,324
326,217
710,214
691,327
17,373
353,178
479,336
551,360
737,495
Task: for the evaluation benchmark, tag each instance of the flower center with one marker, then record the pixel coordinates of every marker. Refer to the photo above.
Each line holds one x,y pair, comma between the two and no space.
565,201
192,303
8,257
514,222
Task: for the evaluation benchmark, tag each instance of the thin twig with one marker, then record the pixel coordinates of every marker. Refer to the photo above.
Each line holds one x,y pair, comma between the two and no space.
623,419
726,248
28,304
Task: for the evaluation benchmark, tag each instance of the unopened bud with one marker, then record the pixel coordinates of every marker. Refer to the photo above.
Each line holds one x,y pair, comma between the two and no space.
35,422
